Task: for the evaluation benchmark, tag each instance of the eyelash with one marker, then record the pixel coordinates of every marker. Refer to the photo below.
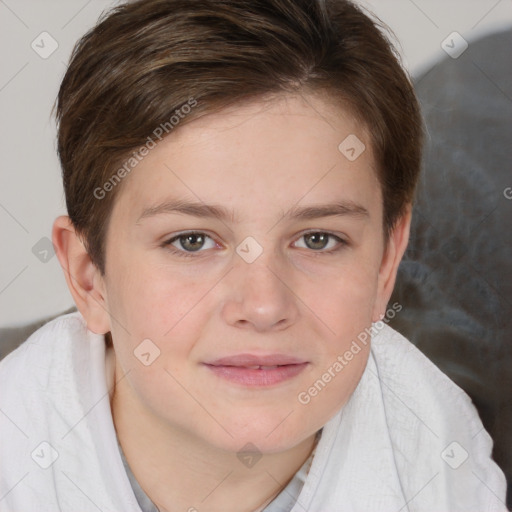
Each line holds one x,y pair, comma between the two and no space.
194,254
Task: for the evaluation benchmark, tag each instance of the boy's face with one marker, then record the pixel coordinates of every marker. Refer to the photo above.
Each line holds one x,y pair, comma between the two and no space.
273,283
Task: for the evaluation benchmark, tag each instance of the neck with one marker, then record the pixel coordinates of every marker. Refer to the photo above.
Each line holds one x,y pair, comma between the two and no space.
179,471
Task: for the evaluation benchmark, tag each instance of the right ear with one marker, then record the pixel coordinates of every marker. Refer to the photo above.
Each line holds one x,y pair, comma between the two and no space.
85,282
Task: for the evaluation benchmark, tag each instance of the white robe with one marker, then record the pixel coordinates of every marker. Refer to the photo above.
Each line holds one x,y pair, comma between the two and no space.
397,445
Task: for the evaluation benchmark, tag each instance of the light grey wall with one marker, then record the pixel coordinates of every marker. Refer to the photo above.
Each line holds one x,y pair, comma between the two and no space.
31,281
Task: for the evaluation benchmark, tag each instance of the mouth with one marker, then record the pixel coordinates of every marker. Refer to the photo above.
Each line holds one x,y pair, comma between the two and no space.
257,371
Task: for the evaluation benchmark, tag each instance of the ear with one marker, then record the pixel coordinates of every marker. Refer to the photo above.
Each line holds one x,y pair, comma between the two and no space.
85,282
393,253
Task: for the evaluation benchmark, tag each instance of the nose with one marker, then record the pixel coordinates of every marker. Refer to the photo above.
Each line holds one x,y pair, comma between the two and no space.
259,296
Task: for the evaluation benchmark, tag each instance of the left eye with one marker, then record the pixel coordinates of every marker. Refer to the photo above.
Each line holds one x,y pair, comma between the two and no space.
192,242
318,241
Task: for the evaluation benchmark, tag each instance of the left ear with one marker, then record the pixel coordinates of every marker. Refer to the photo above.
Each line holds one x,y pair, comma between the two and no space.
393,253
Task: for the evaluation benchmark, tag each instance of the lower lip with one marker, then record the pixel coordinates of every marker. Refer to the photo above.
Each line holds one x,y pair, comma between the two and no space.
257,378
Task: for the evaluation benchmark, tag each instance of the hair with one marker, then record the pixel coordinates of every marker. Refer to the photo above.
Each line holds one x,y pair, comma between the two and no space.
149,61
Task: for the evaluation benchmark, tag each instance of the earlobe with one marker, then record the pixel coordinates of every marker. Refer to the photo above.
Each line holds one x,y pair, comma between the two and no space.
395,249
83,278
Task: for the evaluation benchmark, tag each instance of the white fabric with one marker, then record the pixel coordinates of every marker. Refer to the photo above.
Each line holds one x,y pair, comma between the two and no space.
381,453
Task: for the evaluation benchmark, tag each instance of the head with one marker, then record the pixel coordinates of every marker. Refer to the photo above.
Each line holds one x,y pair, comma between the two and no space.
238,178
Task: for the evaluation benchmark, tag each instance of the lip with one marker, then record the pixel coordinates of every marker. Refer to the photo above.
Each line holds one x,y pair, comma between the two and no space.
256,360
257,370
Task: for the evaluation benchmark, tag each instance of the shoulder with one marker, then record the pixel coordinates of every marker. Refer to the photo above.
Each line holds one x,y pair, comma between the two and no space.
46,347
408,373
434,428
55,411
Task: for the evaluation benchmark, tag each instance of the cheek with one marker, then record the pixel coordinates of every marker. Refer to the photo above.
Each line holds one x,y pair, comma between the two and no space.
346,308
344,304
332,385
152,296
157,323
155,303
344,300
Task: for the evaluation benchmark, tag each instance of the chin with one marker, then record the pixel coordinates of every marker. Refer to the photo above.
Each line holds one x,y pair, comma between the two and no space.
271,434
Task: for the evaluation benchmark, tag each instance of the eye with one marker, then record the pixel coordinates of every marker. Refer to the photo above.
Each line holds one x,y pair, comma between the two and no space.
320,241
191,242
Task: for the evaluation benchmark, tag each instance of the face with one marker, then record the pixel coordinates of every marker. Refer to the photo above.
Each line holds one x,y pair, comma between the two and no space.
244,254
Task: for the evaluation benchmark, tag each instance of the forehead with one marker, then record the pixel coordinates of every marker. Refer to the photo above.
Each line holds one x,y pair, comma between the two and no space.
268,154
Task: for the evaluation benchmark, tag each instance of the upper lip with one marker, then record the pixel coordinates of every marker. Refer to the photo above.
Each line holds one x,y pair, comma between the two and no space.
256,360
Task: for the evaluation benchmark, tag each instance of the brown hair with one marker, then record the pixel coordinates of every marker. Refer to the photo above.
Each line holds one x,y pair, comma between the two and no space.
146,60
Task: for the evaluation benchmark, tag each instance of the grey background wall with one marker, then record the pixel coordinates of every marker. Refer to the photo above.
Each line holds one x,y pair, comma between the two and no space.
36,39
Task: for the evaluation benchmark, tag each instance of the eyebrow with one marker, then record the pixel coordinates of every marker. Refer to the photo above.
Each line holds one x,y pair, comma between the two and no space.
203,210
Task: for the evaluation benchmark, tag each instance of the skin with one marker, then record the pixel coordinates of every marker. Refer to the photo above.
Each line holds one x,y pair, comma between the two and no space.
179,423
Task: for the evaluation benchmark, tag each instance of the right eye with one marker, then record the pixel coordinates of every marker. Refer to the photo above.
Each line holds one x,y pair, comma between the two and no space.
190,242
